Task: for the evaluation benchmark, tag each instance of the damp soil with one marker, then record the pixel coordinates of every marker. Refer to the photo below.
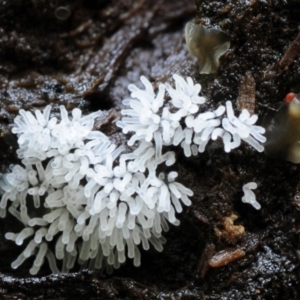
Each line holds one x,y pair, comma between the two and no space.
84,54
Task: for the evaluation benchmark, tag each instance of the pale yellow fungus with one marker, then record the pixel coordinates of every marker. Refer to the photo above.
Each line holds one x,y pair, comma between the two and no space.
208,45
283,132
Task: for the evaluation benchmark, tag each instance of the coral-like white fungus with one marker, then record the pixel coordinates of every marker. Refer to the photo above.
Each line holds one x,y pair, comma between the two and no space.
249,196
178,121
76,187
69,189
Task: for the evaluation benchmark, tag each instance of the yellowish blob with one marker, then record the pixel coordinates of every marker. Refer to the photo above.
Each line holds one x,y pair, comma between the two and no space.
208,45
283,132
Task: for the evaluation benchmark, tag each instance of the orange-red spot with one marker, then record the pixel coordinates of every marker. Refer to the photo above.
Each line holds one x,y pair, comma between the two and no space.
289,97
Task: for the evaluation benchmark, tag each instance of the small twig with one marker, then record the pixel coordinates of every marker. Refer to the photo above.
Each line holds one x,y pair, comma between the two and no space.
77,30
200,217
267,106
291,53
125,16
93,86
206,256
246,96
225,257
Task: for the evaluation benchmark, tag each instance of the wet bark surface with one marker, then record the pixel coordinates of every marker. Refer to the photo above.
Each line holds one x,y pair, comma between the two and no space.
223,249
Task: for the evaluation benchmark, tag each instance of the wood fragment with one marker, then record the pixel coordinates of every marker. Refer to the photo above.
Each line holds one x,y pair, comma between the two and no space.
205,259
135,8
233,278
291,53
124,40
200,217
246,96
107,118
39,103
93,86
298,254
225,257
296,200
12,109
85,44
77,30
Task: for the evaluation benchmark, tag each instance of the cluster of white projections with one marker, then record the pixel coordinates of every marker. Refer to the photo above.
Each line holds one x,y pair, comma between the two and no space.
69,189
249,196
180,120
97,204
